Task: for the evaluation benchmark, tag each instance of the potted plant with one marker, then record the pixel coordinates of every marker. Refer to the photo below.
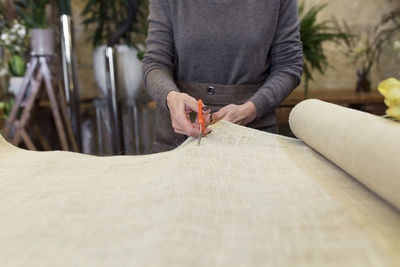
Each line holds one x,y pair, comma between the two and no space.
14,42
107,17
365,50
33,12
313,35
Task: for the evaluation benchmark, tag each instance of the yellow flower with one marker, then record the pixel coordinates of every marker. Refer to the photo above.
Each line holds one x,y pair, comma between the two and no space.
390,89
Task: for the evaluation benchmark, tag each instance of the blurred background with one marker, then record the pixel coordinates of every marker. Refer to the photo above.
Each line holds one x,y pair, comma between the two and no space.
93,51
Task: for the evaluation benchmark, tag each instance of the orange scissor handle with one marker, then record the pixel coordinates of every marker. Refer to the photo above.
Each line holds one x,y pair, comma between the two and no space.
201,119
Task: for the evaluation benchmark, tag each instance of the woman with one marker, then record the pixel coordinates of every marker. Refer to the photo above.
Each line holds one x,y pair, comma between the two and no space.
242,58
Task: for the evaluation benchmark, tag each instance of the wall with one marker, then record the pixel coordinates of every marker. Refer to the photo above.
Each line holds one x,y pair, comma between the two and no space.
360,14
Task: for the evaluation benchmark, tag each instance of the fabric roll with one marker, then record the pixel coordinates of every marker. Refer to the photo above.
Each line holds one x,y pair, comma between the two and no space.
364,145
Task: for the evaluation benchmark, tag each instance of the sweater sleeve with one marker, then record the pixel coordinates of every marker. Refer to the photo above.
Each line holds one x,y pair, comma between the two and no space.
286,59
158,61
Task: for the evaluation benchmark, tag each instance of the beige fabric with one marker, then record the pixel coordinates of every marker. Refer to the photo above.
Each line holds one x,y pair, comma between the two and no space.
364,145
258,199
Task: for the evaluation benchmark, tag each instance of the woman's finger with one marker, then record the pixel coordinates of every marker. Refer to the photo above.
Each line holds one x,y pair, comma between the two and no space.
193,132
188,109
207,120
206,116
207,131
218,115
190,103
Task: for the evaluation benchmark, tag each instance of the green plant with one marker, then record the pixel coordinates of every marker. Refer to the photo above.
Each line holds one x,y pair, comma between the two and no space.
17,65
14,40
107,16
33,13
313,35
6,107
365,50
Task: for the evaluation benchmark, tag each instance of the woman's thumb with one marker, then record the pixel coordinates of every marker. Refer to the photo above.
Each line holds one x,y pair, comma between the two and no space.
217,116
191,103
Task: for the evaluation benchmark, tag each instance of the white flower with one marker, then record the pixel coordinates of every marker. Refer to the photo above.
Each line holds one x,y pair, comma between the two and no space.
7,42
13,37
16,25
17,48
4,36
21,32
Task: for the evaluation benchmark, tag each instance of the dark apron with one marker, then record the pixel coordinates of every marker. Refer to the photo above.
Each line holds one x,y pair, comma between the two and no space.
215,96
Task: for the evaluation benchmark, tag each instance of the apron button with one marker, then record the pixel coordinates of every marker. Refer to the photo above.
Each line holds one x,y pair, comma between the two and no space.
211,90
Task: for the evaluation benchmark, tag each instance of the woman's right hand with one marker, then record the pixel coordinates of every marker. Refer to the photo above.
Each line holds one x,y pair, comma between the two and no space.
180,105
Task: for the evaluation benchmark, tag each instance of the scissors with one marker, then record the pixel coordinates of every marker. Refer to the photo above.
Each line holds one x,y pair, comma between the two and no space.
201,120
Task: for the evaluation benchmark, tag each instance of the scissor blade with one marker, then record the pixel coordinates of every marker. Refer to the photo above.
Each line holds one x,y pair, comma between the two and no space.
199,138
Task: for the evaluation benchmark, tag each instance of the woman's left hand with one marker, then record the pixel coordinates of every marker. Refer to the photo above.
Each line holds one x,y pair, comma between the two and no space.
239,114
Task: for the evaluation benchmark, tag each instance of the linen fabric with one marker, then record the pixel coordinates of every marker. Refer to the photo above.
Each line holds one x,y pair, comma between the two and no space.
242,198
364,145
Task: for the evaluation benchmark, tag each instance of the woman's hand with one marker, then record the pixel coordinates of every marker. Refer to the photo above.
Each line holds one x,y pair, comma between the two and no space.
180,106
239,114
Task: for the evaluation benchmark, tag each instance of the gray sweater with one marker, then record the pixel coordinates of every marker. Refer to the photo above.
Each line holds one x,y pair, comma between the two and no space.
224,42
